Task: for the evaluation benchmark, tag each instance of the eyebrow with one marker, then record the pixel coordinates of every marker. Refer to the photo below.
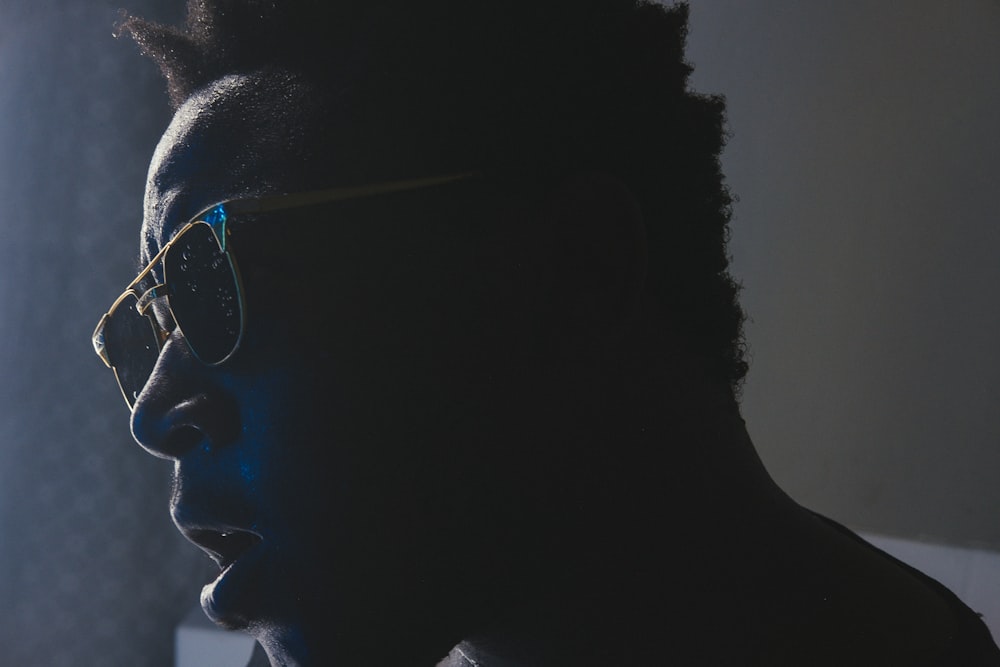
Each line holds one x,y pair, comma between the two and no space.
148,250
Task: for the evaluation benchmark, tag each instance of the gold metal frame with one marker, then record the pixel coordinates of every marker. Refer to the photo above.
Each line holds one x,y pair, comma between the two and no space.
216,217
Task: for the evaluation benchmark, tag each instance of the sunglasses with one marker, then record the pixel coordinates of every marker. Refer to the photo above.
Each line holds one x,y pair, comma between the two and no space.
202,290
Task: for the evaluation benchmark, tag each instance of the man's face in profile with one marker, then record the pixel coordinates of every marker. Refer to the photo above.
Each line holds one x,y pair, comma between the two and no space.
328,464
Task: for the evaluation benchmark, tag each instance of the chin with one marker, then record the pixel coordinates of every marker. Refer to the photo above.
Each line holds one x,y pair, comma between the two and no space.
331,644
285,646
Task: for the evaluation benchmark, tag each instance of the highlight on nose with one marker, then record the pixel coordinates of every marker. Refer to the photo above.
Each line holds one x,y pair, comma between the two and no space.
166,431
171,428
181,406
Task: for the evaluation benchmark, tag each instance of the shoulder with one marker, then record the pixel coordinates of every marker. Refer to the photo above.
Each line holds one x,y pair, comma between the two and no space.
868,608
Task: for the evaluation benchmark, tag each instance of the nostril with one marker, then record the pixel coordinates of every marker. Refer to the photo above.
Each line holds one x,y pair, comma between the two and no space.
171,428
182,439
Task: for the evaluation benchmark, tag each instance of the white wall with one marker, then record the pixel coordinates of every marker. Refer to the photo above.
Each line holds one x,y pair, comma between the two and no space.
865,153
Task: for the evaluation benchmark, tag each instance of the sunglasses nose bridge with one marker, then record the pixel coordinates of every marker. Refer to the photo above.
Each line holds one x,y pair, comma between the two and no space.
155,292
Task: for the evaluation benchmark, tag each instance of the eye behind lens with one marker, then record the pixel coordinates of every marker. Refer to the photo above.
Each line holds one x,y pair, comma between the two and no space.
205,296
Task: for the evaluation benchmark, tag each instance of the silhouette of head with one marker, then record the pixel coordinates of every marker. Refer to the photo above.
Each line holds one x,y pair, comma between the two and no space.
423,418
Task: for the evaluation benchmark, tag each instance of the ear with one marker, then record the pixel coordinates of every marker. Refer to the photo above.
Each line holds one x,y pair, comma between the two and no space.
595,249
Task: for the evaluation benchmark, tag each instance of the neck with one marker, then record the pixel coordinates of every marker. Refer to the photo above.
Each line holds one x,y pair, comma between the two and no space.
669,538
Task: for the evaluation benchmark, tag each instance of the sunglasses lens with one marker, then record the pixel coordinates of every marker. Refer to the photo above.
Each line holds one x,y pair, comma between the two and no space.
132,348
204,294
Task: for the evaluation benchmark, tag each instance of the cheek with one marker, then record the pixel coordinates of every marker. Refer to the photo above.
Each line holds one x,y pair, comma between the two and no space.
350,491
398,378
335,428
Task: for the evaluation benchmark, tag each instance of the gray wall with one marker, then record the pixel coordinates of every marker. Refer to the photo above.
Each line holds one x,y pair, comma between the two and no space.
866,156
91,571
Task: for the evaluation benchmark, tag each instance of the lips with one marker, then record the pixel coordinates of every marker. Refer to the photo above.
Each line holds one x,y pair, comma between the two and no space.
229,600
224,546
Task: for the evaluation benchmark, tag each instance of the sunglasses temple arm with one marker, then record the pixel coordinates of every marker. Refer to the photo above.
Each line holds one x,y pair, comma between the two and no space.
285,202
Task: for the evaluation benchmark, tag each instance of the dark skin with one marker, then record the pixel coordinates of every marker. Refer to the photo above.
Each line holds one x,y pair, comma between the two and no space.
463,419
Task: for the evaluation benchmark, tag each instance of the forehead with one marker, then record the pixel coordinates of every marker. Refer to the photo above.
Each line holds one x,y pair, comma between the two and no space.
241,135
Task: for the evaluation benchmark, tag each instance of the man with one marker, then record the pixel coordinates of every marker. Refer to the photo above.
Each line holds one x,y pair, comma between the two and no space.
436,329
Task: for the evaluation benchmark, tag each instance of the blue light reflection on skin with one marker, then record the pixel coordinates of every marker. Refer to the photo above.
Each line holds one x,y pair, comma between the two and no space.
217,219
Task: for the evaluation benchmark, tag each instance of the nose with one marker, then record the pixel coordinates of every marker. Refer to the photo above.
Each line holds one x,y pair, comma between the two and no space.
183,406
